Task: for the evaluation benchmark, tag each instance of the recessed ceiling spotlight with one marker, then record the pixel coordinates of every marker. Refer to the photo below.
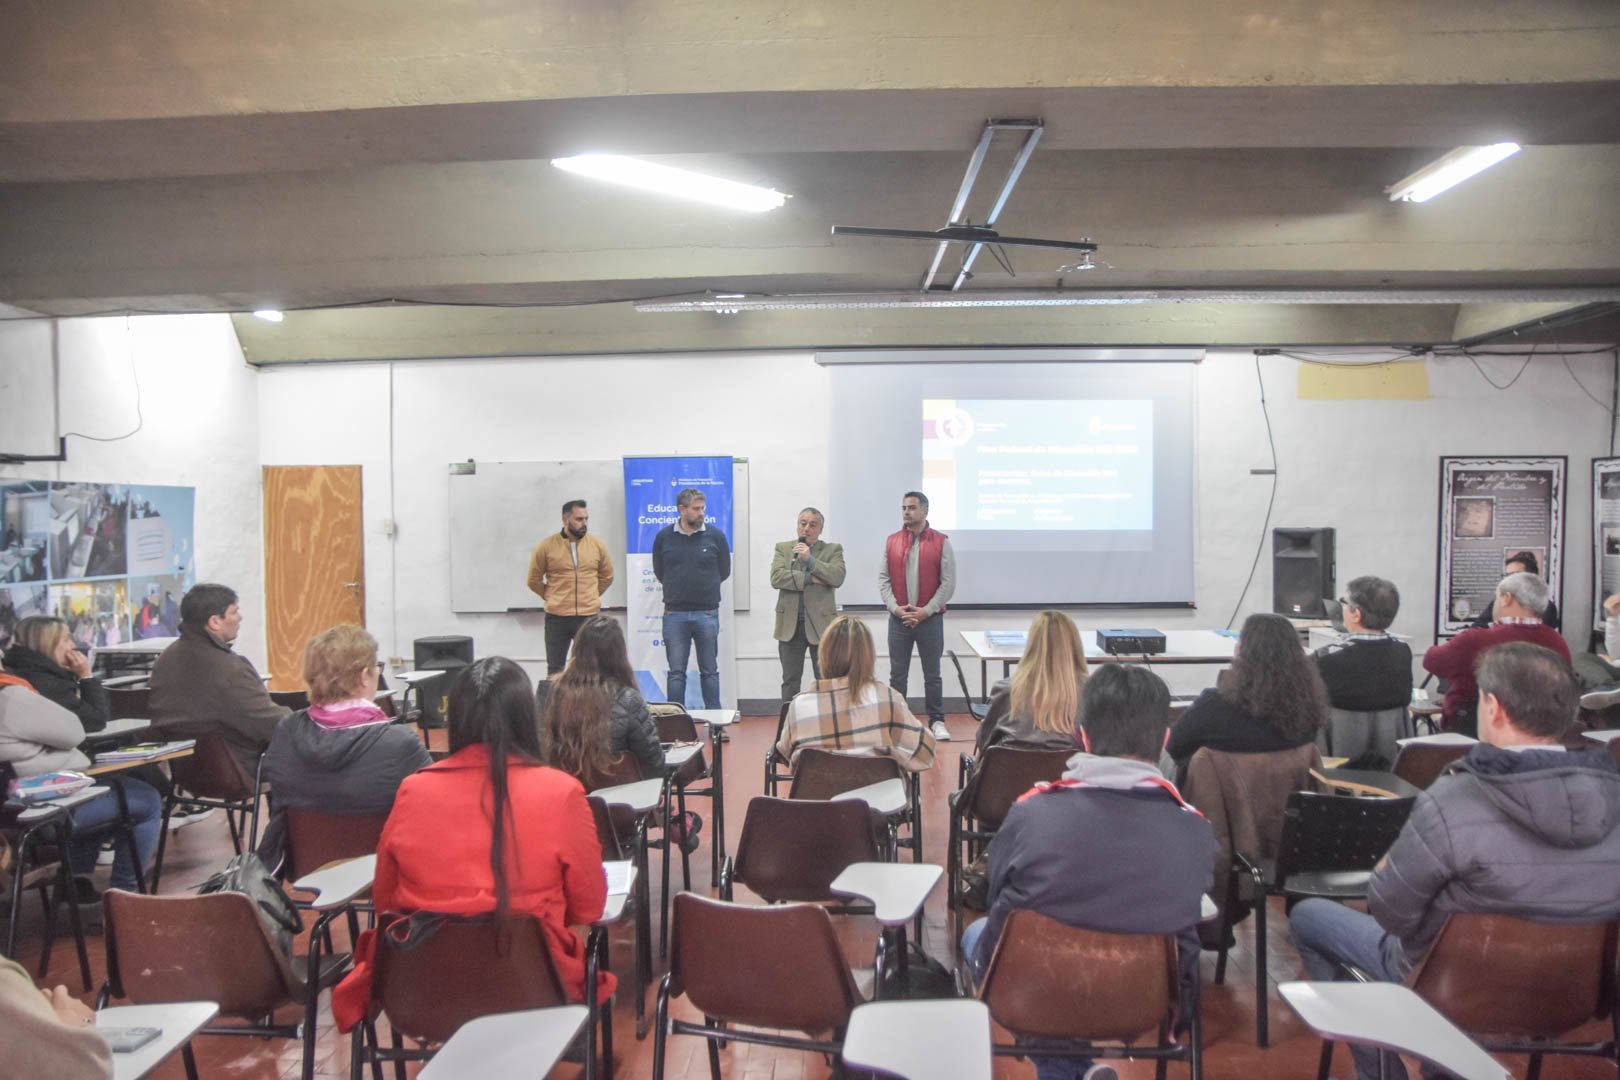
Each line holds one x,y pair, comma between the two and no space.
1449,171
667,180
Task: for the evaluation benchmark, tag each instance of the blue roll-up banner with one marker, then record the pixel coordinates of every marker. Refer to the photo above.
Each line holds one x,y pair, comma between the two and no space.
650,487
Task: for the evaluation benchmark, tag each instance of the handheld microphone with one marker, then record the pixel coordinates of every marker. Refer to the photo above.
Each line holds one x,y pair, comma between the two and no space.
802,540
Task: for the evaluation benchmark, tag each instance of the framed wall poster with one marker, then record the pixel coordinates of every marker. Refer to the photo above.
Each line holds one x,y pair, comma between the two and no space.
1490,508
1605,534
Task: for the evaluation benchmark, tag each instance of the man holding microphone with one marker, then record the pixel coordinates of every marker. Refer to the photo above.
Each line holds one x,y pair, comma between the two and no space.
804,573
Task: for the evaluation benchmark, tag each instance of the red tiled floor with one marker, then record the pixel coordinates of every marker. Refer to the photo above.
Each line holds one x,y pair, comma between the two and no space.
1230,1050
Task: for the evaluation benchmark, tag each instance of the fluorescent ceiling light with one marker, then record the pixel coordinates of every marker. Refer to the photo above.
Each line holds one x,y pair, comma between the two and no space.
666,180
268,315
1449,171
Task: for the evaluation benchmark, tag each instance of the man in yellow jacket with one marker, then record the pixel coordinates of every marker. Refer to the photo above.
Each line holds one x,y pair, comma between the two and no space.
570,570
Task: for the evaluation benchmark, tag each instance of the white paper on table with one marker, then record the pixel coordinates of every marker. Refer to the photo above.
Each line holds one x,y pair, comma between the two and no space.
1444,738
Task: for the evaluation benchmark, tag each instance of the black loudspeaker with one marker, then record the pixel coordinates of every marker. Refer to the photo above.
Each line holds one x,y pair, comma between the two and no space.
446,653
443,653
1301,572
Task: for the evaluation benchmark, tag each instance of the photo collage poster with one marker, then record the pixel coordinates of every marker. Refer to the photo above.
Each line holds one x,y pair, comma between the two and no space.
1605,534
111,559
1490,508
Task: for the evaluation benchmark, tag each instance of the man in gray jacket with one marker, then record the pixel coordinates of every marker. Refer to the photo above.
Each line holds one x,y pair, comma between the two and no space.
1521,826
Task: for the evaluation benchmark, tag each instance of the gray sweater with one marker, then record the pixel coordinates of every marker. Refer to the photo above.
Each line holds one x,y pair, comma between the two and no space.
37,735
1528,832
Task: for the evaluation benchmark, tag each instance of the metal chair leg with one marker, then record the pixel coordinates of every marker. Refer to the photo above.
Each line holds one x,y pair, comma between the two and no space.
661,1032
1261,1012
1327,1060
714,1052
163,842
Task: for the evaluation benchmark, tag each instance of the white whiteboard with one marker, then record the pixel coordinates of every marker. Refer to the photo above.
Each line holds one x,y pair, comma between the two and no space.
499,511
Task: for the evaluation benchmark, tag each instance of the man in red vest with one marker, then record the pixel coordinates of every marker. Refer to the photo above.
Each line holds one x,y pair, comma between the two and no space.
916,579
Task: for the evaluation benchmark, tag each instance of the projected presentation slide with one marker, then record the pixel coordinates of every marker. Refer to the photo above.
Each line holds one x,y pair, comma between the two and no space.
1003,464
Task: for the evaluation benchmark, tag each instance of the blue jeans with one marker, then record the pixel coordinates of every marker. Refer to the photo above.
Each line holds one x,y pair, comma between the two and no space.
681,629
1071,1068
145,812
929,637
1327,933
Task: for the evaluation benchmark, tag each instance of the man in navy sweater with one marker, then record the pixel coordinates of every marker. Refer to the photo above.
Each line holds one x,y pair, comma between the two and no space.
691,560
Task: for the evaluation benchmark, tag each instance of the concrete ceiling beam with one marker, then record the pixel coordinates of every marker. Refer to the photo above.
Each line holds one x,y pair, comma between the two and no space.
879,121
524,231
362,334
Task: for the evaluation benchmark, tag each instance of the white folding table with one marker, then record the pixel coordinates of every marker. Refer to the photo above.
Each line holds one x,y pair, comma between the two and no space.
178,1022
507,1046
1393,1017
921,1040
897,892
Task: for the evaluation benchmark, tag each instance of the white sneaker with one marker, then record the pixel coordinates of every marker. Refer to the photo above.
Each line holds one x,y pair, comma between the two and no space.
941,732
180,819
1600,698
105,856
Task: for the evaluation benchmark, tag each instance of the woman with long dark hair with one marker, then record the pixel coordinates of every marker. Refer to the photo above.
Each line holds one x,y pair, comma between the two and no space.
491,830
1271,698
594,709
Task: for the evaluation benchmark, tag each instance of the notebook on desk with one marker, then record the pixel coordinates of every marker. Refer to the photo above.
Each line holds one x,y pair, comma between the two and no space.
1006,637
143,752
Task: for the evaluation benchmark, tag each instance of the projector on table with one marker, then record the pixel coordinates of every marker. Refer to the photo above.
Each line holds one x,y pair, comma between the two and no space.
1130,642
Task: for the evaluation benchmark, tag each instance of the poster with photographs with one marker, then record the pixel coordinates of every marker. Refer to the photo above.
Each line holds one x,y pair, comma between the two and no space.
1605,534
1490,510
17,602
112,560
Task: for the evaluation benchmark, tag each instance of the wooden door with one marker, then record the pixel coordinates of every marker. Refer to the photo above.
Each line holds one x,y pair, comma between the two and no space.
314,560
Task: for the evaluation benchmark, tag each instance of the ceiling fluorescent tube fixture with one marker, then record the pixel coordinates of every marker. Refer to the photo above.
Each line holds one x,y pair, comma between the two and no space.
1449,171
268,314
666,180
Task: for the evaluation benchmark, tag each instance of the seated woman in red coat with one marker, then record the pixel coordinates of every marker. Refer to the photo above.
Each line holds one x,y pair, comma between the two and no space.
491,829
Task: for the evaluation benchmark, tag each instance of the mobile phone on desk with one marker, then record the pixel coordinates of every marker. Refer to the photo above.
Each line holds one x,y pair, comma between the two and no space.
124,1040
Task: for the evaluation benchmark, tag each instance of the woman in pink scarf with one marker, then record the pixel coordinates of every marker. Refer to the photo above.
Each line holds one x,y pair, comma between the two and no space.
342,755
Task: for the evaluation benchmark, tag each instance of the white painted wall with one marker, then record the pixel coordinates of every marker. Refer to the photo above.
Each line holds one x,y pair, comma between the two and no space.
198,425
1368,468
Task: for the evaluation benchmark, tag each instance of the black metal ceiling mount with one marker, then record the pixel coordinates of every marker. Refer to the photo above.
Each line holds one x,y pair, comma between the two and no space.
958,230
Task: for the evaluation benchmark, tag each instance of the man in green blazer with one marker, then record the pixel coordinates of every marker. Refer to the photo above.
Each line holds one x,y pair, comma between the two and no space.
804,572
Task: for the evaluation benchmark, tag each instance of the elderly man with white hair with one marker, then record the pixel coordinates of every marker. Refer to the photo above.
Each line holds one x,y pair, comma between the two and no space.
1520,601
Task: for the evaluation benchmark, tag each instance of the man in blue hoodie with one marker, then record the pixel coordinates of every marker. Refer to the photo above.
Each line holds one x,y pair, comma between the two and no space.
1521,826
1110,847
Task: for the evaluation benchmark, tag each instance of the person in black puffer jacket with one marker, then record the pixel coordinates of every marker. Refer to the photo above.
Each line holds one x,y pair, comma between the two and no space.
599,684
601,663
43,652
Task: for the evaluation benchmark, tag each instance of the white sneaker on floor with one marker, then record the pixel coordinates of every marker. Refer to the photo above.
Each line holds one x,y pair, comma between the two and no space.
941,732
105,856
179,819
1600,698
1100,1071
